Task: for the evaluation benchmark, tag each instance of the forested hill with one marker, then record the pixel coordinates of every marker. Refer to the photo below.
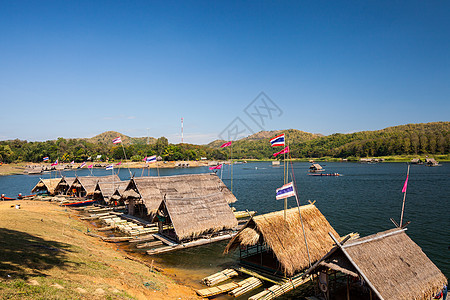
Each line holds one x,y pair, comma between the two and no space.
410,139
423,138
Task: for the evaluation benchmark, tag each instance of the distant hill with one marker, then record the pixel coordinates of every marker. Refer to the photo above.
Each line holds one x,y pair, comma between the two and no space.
108,136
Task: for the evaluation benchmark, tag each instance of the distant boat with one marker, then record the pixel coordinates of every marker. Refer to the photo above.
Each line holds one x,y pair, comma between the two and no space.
323,174
275,163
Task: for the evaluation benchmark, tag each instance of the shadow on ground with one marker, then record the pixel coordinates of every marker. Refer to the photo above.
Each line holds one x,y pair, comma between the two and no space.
23,255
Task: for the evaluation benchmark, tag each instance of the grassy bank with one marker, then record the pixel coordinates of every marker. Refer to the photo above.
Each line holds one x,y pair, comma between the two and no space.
45,254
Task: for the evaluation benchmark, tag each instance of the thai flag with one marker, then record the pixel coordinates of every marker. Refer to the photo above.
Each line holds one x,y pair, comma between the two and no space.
226,144
117,140
110,167
150,159
83,165
216,167
286,191
55,163
277,141
45,158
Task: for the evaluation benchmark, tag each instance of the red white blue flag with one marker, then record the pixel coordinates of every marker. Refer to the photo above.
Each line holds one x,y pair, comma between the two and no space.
83,165
277,141
110,167
117,140
55,163
45,158
150,159
286,191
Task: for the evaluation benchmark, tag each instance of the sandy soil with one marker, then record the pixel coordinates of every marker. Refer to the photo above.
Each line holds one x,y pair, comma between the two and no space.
45,253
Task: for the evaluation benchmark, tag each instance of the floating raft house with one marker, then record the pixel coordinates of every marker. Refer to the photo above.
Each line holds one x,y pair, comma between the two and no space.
46,186
270,243
63,186
110,192
385,265
184,219
84,186
143,195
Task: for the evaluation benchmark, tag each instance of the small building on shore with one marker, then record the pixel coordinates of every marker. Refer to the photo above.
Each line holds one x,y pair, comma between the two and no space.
416,161
46,186
143,195
385,265
274,244
110,193
431,162
84,186
183,219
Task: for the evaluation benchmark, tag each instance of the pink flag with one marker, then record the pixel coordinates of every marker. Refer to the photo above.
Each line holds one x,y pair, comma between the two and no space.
90,166
216,167
118,163
226,144
405,185
285,150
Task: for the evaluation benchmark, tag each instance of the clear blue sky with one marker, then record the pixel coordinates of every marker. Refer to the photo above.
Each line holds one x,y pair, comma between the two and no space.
78,68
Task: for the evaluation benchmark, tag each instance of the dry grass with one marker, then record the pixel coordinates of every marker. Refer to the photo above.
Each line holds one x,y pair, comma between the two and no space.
42,244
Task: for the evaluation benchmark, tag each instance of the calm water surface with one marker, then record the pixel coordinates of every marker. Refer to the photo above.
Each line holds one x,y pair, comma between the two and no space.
361,201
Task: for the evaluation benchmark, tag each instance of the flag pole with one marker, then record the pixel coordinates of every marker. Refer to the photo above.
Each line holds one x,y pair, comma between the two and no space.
231,157
404,197
124,154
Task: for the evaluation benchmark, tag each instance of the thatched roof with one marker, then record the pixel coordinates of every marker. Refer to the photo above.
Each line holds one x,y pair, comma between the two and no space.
316,167
107,188
88,183
396,267
285,237
151,190
192,217
48,185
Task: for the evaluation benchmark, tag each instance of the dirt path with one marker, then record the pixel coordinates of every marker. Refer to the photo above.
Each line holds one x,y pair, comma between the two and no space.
45,254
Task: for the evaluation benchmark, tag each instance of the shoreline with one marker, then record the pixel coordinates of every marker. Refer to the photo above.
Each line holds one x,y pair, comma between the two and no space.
19,168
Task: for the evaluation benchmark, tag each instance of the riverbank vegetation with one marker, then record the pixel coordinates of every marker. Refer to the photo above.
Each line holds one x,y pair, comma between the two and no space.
404,141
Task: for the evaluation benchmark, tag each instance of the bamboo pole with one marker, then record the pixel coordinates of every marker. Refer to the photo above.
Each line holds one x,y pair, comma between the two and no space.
404,199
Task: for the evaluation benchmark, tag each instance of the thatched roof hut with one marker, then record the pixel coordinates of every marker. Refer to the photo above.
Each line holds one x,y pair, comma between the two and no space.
283,240
315,168
84,186
150,191
46,186
63,186
192,217
392,265
105,190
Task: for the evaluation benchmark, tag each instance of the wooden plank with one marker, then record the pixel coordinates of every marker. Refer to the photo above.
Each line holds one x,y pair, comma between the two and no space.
191,244
164,239
144,238
149,244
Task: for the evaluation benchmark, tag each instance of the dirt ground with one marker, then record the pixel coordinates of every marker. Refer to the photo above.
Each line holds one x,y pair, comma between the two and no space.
45,253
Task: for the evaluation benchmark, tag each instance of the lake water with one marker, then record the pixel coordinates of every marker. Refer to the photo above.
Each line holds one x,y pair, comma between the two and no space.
362,200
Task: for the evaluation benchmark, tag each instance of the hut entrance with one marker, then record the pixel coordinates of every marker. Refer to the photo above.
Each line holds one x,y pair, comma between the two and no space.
261,257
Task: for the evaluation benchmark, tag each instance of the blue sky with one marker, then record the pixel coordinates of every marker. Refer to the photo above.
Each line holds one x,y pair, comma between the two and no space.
78,68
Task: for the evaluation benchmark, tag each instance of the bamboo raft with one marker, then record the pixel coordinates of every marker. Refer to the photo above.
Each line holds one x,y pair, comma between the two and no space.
219,277
235,289
216,290
246,286
278,290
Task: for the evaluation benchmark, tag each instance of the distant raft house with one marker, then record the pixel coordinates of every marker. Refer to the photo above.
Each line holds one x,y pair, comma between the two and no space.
316,168
271,244
46,186
110,192
84,186
385,265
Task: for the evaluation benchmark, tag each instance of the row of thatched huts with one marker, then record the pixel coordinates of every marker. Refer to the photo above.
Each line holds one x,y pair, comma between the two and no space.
385,265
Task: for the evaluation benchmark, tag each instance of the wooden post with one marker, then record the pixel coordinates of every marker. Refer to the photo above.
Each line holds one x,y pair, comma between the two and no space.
131,207
348,288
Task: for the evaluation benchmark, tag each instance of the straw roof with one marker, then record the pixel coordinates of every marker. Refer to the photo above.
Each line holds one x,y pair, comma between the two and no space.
47,184
396,267
151,190
285,237
316,167
191,217
107,188
88,183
